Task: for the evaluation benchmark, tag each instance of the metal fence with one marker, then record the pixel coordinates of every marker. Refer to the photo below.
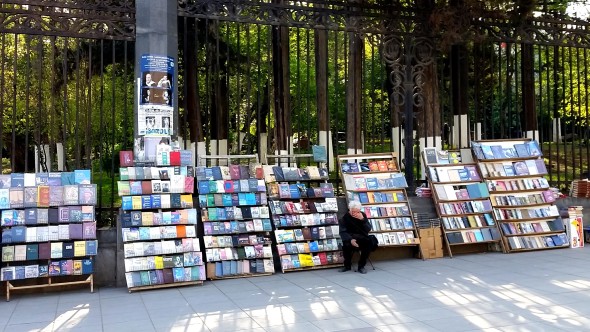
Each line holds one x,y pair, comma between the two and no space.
68,87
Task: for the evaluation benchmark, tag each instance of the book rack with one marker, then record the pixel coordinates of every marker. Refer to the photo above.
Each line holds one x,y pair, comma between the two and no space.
48,229
461,198
523,205
375,180
305,217
49,283
235,217
158,224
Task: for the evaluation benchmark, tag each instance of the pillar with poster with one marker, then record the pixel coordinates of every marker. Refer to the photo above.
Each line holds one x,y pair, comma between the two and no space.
155,113
156,77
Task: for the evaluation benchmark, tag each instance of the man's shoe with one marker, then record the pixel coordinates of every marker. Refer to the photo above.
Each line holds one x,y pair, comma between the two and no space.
344,269
362,270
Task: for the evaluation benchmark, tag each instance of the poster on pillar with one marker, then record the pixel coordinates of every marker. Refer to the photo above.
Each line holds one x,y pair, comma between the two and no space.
156,97
155,113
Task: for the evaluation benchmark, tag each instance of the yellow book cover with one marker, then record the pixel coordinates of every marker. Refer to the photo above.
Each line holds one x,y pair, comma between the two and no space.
136,202
371,197
77,267
472,222
305,260
147,218
79,248
159,262
186,201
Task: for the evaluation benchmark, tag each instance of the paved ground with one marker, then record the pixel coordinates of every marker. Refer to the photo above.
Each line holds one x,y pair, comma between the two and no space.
536,291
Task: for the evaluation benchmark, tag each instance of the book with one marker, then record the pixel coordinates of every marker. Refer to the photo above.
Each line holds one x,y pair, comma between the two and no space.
126,158
82,176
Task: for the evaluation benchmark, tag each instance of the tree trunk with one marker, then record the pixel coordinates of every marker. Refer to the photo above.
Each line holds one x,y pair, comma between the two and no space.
321,69
528,116
193,107
353,93
280,52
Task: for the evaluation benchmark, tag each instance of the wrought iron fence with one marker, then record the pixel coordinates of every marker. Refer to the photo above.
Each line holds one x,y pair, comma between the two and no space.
66,83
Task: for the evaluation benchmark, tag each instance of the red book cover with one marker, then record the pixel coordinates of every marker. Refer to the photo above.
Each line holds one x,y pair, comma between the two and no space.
126,158
146,187
44,250
259,173
234,172
373,166
175,158
43,196
168,276
323,258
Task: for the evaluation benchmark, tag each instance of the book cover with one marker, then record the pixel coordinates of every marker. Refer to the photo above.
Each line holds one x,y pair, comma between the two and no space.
534,149
454,157
87,194
430,156
41,179
5,181
17,180
71,194
520,168
82,176
4,198
126,158
486,151
30,196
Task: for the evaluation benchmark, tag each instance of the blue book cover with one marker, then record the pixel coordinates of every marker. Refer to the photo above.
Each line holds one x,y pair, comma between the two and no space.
82,176
250,198
203,187
17,180
126,203
146,202
226,199
216,172
41,179
144,233
31,216
20,272
91,247
156,201
67,178
87,266
372,183
19,234
186,158
135,187
4,198
294,191
126,219
252,185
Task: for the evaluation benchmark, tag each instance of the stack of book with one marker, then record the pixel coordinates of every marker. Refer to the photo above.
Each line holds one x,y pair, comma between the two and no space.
304,213
461,197
375,181
48,224
158,223
236,221
523,205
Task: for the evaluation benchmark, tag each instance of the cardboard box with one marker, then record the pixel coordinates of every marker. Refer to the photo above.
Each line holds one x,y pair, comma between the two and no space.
431,242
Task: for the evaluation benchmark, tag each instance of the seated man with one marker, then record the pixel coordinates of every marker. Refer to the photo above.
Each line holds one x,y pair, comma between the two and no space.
354,231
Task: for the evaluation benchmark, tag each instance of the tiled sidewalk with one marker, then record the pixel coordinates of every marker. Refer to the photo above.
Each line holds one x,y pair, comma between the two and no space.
536,291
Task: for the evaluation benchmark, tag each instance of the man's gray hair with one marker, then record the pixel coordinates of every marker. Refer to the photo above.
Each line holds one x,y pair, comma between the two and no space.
354,205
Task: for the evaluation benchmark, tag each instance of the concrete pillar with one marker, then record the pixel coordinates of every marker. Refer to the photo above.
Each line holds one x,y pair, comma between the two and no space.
156,74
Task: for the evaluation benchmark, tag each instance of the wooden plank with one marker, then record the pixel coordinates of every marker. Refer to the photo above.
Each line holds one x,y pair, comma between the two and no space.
89,280
243,276
318,267
174,284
